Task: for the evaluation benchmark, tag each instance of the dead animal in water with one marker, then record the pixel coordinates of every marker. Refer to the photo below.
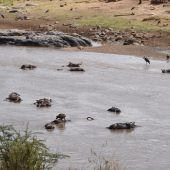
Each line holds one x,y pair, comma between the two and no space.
165,71
43,102
127,125
61,116
114,109
58,121
77,69
49,126
28,67
14,97
74,64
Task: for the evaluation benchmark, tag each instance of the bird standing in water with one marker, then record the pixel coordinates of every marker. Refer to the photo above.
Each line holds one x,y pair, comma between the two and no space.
167,57
147,60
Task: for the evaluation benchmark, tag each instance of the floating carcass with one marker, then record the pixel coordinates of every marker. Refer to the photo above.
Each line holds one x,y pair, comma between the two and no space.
14,97
28,67
77,69
165,71
70,64
114,109
60,120
43,102
127,125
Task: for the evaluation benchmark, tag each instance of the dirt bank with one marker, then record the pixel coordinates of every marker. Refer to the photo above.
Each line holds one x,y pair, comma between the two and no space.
88,18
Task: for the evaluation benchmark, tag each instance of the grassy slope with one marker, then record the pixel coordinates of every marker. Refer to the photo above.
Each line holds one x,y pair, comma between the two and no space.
93,12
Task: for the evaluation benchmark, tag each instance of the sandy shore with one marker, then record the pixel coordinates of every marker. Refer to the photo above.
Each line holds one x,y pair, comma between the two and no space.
139,51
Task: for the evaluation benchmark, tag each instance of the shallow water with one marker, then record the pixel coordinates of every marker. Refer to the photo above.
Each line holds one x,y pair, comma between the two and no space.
140,91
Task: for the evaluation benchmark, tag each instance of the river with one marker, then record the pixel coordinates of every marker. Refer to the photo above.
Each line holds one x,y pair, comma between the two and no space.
141,91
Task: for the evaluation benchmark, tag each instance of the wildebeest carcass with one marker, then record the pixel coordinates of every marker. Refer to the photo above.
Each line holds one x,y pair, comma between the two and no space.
77,69
70,64
127,125
165,71
28,67
43,102
114,109
14,97
61,116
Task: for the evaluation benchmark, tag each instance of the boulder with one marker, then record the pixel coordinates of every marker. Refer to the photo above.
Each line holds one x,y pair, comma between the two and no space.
44,39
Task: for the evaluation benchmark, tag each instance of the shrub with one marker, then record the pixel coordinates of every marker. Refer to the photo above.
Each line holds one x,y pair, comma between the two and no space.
23,151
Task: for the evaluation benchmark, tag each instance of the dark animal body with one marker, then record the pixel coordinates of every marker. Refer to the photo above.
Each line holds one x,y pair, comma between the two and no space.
127,125
165,71
43,102
77,69
61,116
147,60
14,97
73,64
114,109
27,67
49,126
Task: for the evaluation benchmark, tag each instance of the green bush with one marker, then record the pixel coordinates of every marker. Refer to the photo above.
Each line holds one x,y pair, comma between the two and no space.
23,151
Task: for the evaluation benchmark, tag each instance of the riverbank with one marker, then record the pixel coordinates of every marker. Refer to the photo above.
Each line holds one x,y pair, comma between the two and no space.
140,34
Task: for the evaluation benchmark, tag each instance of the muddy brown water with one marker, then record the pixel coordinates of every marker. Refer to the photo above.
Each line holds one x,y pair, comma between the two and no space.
140,91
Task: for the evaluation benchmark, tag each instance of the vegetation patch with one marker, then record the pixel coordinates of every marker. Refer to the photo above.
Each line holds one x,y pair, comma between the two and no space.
121,24
23,151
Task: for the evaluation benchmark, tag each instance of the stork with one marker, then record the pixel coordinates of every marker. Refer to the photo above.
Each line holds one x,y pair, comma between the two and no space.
147,60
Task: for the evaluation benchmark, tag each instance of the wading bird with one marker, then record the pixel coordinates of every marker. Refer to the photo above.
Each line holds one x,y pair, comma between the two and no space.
147,60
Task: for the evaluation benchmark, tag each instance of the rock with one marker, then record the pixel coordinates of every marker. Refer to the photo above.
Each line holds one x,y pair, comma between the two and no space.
46,11
165,71
118,38
22,18
43,102
61,116
30,4
13,11
44,39
77,69
2,15
129,41
28,67
74,64
127,125
114,109
14,97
